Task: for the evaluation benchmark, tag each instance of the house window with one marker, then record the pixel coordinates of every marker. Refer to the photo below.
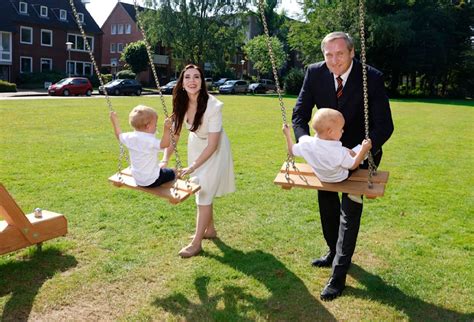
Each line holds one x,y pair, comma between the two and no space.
5,47
46,64
44,11
26,35
79,68
120,29
23,7
119,47
128,29
113,29
46,37
113,47
62,14
81,17
87,69
26,64
78,42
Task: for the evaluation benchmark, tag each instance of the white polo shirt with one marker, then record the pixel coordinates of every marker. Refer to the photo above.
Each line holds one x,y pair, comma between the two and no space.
329,159
143,148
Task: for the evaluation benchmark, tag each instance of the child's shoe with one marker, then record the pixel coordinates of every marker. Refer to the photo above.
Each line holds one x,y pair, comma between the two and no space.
355,198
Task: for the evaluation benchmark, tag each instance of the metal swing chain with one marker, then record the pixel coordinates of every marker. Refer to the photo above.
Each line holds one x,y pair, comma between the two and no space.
157,82
162,99
372,166
290,160
101,81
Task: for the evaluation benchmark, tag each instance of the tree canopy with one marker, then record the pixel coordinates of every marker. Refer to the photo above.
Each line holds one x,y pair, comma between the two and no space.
135,56
197,31
257,52
418,44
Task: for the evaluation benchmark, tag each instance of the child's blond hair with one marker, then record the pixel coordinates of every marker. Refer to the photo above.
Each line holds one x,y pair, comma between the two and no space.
325,118
141,116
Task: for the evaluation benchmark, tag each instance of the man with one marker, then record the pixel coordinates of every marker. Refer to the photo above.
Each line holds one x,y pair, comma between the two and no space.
337,83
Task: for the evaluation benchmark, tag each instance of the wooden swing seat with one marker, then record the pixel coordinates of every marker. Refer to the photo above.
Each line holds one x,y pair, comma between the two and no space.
19,230
356,184
166,190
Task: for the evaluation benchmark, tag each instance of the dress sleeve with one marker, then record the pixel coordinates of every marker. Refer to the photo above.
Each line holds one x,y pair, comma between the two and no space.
215,118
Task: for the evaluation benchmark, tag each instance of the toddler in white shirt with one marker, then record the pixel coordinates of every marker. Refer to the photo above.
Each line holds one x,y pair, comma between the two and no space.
324,152
143,146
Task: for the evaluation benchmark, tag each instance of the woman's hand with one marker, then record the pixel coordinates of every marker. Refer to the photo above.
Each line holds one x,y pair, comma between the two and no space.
188,170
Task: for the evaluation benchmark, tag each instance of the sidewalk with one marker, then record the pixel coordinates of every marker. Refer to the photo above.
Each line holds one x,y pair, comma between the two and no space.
44,92
26,92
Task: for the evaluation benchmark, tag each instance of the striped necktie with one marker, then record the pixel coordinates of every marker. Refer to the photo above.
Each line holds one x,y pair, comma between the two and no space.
339,87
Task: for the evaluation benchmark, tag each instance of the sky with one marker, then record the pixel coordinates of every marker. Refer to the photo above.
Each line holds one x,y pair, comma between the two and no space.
100,9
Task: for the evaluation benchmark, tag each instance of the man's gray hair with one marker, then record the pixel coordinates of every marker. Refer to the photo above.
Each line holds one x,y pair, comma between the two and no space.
338,35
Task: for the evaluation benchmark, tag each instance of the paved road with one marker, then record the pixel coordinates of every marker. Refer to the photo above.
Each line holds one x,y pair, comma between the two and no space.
42,94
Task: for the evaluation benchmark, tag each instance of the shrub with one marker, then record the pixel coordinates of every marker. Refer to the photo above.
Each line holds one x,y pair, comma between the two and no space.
294,81
40,78
7,87
126,74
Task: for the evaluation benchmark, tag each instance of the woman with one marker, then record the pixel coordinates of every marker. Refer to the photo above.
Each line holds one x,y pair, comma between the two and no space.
209,154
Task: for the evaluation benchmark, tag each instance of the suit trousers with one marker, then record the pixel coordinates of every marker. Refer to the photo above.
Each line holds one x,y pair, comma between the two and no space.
340,219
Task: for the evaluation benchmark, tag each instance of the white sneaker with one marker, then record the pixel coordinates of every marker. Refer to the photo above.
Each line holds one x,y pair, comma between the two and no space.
355,198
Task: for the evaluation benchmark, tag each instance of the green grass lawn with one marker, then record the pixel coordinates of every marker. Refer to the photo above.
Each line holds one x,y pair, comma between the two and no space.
414,259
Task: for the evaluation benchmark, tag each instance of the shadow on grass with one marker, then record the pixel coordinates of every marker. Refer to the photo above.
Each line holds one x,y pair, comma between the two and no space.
415,308
22,280
289,298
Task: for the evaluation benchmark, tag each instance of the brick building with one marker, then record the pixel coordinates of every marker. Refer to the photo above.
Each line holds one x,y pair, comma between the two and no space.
119,29
33,36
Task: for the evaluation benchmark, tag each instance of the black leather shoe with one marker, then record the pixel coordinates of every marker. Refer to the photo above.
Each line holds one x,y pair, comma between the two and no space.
332,289
324,261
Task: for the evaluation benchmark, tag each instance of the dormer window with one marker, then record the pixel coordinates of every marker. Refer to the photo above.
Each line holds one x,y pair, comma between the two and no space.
81,17
23,7
44,11
62,14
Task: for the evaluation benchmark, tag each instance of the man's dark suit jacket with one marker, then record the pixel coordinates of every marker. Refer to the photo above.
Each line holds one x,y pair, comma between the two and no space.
319,89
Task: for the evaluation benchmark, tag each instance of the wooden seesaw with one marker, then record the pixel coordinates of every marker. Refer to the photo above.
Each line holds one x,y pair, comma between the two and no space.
19,230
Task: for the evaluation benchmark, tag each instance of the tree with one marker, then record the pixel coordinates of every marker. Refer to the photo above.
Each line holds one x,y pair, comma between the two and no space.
257,52
135,56
197,31
422,46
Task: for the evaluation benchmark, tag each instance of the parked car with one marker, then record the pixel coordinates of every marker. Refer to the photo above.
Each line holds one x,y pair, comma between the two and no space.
220,82
122,86
257,88
168,88
71,86
233,86
269,84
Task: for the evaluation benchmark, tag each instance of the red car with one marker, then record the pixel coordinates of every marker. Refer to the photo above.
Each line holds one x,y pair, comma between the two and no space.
71,86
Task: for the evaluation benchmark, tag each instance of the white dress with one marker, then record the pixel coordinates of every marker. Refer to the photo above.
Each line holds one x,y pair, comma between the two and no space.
216,175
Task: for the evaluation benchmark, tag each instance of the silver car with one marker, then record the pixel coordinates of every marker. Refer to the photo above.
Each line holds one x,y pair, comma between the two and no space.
233,87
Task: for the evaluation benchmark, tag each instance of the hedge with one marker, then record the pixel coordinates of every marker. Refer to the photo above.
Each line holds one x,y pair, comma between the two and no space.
7,87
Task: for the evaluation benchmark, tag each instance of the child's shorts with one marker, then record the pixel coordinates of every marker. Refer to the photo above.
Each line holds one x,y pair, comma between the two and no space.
166,175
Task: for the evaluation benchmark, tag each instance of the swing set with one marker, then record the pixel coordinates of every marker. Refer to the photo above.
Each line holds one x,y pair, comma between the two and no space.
175,192
370,182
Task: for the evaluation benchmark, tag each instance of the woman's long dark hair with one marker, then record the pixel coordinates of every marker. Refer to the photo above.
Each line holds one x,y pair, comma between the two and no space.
181,100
